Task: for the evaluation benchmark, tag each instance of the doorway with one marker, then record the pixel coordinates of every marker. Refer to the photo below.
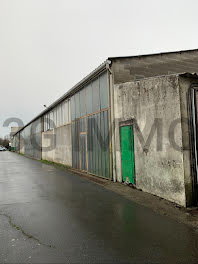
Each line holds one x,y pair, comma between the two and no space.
127,153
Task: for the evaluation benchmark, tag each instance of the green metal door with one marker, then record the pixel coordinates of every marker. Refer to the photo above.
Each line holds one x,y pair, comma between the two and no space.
127,154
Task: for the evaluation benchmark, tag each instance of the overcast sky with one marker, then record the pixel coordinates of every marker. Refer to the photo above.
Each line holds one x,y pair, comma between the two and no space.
47,46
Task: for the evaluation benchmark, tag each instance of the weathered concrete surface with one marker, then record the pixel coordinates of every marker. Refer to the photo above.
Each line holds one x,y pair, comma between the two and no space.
51,216
60,142
158,171
134,68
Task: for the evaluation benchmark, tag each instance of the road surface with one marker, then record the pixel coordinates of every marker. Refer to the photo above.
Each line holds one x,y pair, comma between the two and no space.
48,215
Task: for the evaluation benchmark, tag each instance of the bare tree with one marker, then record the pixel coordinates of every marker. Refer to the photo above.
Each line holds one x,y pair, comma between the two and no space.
4,142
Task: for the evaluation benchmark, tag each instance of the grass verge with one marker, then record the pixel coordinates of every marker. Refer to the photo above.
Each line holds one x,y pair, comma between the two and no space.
58,165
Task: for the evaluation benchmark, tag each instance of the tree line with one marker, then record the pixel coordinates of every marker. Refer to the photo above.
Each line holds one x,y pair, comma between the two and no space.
4,142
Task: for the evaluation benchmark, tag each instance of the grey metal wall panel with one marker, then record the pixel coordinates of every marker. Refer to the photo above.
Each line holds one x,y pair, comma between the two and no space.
96,95
83,152
94,142
75,145
73,110
77,104
83,125
106,145
104,91
98,144
102,129
32,140
82,102
89,144
89,101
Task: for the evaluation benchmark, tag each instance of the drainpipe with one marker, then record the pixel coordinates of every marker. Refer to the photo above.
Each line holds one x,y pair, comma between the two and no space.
112,120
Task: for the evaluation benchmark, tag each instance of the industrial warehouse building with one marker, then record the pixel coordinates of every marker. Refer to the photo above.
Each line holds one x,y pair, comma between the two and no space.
133,120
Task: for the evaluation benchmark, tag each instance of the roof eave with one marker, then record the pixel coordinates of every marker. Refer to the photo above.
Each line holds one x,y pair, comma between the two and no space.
74,89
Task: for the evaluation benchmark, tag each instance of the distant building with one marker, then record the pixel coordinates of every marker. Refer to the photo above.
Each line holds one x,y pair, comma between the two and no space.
133,120
14,130
12,139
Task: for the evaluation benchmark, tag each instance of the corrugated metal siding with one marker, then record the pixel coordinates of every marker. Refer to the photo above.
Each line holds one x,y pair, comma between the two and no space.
83,152
95,130
32,140
88,113
75,145
90,128
98,144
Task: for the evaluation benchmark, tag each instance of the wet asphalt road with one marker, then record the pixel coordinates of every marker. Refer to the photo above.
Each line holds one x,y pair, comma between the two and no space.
50,216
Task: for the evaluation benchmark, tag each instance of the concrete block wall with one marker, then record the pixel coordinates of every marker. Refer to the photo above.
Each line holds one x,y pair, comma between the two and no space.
160,172
134,68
